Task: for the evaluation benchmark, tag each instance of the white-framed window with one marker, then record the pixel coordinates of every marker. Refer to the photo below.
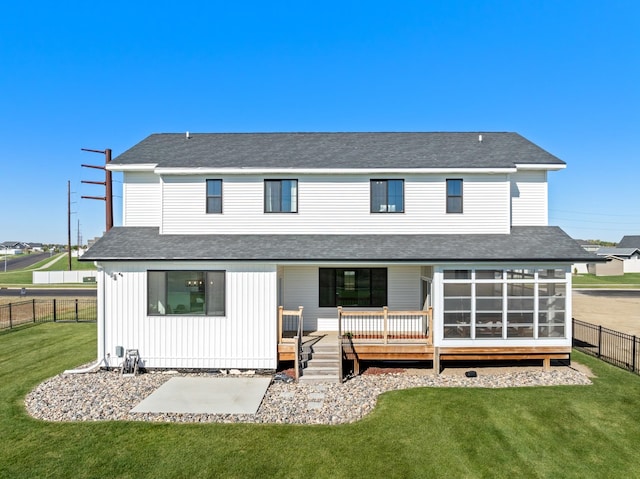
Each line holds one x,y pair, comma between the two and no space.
514,303
280,196
192,293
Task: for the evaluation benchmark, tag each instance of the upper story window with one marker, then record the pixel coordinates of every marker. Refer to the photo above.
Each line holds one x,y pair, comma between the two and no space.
214,196
280,196
454,196
387,196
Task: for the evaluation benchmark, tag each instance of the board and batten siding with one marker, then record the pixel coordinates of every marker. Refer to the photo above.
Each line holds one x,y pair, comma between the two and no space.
529,201
245,338
336,204
141,199
301,288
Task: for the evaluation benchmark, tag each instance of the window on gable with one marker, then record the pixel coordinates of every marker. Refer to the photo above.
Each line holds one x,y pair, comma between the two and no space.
387,196
214,196
193,293
281,196
353,287
454,196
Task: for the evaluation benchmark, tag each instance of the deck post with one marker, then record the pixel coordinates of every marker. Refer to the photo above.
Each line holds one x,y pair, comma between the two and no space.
280,309
436,360
340,373
339,321
297,357
386,324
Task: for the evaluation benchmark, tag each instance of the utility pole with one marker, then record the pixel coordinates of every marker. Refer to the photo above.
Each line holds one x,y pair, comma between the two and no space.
108,196
79,238
69,221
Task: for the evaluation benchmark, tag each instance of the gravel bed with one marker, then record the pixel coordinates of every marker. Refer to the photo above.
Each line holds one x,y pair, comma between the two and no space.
107,396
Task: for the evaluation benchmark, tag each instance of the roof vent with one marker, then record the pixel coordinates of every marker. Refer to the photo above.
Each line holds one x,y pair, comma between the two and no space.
479,137
188,136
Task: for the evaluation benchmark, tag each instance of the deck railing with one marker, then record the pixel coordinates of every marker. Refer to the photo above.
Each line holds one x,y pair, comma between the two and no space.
386,326
292,321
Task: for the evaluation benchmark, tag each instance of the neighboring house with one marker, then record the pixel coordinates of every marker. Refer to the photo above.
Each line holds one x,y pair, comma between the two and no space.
38,247
613,266
630,257
420,246
11,247
589,245
630,241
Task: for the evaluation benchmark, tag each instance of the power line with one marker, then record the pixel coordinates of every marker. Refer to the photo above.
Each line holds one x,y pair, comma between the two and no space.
588,213
622,223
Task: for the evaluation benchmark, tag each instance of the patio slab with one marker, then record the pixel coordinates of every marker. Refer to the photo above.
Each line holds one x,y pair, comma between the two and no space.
202,395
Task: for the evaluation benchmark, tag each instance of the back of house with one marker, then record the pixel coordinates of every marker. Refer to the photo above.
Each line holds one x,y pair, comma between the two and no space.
412,245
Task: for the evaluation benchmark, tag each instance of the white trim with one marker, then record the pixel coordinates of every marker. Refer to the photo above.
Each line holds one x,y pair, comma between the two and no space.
327,171
546,166
136,167
324,171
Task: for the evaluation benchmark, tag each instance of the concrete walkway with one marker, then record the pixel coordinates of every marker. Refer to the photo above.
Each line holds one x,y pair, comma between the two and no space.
53,261
202,395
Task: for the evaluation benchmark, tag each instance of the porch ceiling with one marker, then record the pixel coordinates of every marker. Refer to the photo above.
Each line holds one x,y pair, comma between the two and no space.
525,243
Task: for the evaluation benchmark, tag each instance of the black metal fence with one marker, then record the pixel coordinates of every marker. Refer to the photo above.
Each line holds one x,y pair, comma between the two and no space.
47,310
614,347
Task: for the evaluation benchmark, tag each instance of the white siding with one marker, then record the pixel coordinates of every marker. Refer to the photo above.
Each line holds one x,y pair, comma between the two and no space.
336,205
141,199
529,198
244,338
632,264
301,288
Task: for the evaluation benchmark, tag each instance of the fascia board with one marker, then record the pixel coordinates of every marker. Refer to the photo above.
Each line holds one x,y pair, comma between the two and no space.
134,167
328,171
538,167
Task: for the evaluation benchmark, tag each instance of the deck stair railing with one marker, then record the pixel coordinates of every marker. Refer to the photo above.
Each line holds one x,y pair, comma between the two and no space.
292,322
385,326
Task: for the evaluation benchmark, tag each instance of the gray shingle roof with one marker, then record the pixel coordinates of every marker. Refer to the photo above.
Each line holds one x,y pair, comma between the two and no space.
525,243
616,251
336,150
629,241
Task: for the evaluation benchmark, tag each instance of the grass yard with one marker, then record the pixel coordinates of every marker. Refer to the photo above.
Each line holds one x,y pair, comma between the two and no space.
546,432
627,280
24,277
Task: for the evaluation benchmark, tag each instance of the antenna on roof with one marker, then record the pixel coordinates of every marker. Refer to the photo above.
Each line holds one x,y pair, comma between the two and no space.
188,136
479,137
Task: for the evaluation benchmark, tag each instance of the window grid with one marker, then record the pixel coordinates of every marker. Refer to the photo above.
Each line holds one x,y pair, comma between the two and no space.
533,304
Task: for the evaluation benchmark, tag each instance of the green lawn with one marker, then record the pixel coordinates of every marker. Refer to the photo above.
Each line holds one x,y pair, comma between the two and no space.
546,432
25,276
628,280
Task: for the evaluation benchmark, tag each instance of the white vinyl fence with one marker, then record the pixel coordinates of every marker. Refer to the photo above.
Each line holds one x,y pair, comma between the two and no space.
58,277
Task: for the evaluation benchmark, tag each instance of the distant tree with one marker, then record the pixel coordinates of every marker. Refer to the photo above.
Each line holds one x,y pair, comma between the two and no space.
602,243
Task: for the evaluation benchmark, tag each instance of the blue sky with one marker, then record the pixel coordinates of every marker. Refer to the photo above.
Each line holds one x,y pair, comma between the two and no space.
73,75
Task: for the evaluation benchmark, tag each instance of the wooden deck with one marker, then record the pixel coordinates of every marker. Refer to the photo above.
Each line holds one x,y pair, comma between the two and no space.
406,336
